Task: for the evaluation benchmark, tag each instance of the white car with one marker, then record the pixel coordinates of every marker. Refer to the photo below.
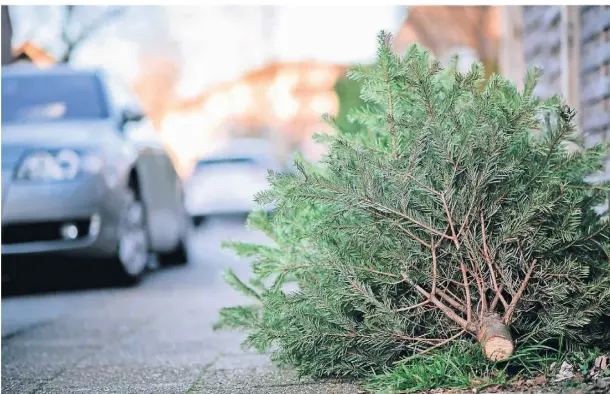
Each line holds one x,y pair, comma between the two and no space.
226,184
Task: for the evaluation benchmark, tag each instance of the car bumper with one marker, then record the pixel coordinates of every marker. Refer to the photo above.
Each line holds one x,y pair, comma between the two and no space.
33,215
221,207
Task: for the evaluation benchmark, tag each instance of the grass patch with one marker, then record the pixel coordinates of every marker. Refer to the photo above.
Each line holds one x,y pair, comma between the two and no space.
462,366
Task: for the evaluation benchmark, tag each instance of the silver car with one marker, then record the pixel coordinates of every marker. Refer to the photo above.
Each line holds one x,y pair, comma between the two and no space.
75,184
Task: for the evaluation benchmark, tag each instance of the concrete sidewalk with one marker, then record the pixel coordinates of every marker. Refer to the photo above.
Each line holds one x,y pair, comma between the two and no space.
156,338
249,373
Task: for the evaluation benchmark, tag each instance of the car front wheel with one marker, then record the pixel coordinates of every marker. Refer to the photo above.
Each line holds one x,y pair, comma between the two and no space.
132,254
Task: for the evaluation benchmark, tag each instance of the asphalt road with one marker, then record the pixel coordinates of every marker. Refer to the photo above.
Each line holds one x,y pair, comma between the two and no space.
153,338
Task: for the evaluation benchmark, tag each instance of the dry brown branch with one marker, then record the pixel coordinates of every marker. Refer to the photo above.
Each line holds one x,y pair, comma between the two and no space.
451,301
492,272
467,289
444,308
434,267
513,304
455,297
441,238
376,272
504,279
443,342
415,237
486,253
434,279
428,188
476,274
446,207
455,282
408,308
448,213
481,287
418,339
498,297
464,224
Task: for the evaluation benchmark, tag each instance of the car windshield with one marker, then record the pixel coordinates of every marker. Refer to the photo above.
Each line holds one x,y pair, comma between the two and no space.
45,97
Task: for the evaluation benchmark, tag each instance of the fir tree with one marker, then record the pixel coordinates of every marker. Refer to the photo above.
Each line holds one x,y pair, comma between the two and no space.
348,94
456,212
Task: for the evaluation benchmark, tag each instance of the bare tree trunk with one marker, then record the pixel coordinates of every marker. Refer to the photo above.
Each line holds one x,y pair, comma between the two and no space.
495,338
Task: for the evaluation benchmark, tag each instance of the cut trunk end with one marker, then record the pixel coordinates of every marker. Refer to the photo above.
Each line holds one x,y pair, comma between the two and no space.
495,339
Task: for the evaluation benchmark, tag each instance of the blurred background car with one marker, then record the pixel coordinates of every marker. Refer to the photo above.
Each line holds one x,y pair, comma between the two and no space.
73,181
227,181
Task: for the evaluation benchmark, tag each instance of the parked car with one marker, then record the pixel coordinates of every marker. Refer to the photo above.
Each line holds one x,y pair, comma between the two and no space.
226,182
73,181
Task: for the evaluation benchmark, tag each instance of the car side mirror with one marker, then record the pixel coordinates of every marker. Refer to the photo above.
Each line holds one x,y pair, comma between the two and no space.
128,116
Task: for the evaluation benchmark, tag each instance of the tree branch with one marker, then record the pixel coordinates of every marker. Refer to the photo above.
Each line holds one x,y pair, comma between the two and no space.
467,289
442,343
98,23
498,297
455,240
466,325
434,267
390,116
415,237
456,304
487,257
513,304
418,305
383,207
87,31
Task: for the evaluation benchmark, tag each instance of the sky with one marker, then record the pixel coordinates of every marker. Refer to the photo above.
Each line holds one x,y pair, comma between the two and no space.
213,44
223,42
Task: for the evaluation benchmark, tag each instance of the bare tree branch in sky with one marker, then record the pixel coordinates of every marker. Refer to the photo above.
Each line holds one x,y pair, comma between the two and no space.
74,32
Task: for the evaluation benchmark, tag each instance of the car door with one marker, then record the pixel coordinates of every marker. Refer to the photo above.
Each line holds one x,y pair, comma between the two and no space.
158,188
156,185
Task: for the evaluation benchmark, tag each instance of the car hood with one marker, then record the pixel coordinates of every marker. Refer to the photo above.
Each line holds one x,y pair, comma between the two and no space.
16,139
56,134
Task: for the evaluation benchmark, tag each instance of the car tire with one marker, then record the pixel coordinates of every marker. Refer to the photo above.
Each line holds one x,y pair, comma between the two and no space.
197,220
132,255
180,255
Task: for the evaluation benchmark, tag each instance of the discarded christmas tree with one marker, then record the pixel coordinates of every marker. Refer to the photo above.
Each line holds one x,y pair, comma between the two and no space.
459,212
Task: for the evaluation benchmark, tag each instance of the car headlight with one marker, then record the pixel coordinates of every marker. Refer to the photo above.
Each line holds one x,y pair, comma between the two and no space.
63,164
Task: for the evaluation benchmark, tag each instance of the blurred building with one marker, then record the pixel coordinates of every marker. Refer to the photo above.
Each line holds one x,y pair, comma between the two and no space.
221,43
282,101
471,31
29,52
155,84
572,45
264,71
